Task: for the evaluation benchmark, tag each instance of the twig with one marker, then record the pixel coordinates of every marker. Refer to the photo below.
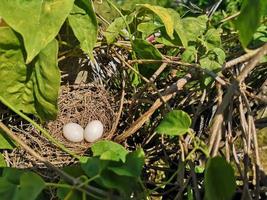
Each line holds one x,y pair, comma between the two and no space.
114,127
169,93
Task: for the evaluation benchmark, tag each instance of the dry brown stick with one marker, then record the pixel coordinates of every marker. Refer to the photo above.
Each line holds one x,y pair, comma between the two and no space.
169,93
240,59
114,127
64,175
252,131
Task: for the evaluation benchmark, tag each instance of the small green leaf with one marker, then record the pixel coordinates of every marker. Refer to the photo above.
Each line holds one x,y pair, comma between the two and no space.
164,15
145,50
2,161
212,39
194,26
148,28
176,122
31,88
83,22
190,54
108,150
38,21
248,21
94,166
6,142
209,64
116,28
133,165
219,180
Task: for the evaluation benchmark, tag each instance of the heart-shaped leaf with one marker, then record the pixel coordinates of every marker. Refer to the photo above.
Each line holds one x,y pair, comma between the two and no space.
176,122
108,150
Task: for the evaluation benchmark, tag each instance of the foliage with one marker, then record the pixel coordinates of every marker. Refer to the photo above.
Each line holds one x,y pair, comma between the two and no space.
153,31
219,179
176,122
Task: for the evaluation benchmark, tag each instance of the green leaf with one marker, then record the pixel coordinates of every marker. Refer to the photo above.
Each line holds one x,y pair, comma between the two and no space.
190,54
133,165
248,21
212,39
38,21
17,185
219,180
6,142
108,150
94,166
31,88
31,186
209,64
176,122
194,26
2,161
178,26
83,22
164,15
116,28
145,50
148,28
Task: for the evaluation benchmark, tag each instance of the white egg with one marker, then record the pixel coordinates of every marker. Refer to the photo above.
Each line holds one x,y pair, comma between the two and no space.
93,131
73,132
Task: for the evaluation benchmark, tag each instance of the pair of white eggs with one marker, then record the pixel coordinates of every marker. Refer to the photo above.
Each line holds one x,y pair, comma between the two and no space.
75,133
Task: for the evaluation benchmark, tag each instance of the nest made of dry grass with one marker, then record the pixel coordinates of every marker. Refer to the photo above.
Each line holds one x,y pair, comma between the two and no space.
82,104
76,103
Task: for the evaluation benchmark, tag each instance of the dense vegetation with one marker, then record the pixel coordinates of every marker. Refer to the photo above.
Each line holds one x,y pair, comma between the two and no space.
189,79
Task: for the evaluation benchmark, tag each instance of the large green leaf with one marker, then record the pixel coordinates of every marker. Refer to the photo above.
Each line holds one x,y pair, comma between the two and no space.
219,180
248,21
31,88
176,122
16,185
108,150
165,16
38,21
83,22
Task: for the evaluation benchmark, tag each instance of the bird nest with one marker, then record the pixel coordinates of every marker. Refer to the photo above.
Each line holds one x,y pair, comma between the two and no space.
77,103
82,104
